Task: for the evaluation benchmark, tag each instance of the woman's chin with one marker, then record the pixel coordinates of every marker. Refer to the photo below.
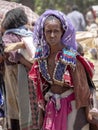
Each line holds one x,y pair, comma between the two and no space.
53,44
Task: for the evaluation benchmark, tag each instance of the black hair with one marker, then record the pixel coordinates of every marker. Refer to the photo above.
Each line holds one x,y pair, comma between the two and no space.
14,18
75,7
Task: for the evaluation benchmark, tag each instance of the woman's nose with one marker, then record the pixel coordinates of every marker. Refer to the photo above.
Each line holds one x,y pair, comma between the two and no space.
52,34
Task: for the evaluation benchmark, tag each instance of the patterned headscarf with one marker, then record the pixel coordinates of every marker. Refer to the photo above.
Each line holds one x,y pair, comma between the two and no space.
68,38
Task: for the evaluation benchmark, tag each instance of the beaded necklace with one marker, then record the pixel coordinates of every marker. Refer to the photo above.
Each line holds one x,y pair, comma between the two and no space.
67,57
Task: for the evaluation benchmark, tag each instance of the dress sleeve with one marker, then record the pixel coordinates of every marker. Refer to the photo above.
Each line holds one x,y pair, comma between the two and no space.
9,39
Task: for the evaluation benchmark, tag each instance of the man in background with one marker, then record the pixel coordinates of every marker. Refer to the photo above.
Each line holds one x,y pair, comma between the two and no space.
77,19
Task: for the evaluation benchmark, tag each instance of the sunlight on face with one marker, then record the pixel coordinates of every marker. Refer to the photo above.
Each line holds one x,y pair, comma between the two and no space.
53,31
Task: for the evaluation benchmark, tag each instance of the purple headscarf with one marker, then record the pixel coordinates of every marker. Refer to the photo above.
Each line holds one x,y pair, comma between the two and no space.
68,38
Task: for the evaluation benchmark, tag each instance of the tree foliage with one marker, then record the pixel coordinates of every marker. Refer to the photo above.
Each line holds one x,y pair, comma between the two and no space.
39,6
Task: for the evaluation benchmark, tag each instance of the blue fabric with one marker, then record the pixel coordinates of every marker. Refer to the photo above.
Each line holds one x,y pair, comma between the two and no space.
1,98
23,31
2,113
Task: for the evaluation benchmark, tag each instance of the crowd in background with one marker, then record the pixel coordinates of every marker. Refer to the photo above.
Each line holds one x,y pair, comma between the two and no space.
81,21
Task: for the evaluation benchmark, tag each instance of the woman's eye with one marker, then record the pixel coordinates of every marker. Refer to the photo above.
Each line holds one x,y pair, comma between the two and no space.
56,31
48,31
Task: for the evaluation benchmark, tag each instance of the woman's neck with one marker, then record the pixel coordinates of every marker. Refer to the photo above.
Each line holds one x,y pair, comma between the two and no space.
56,49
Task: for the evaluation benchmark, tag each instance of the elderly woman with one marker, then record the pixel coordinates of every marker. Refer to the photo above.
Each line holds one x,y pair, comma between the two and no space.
59,75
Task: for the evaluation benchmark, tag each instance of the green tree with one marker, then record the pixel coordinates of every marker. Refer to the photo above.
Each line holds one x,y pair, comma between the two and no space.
39,6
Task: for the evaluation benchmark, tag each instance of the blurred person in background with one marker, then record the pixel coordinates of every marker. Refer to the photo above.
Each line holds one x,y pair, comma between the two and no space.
80,49
77,18
20,93
91,19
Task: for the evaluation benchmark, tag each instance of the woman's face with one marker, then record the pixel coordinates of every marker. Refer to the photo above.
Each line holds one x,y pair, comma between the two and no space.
53,32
